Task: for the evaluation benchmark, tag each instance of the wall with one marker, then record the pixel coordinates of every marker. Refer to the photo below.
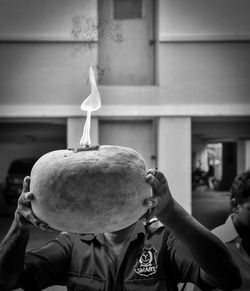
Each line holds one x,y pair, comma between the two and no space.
137,134
126,47
243,155
42,20
44,73
205,73
46,49
201,19
221,129
203,51
202,63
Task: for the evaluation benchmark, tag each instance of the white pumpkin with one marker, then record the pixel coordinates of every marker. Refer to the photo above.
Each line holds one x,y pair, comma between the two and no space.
94,191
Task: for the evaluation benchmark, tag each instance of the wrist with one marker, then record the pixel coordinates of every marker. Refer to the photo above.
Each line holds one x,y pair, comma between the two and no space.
20,224
167,210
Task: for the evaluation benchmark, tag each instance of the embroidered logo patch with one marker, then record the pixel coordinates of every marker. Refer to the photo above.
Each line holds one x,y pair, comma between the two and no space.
146,265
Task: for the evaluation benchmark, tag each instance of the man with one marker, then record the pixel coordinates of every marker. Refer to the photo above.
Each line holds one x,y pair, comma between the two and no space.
235,233
135,258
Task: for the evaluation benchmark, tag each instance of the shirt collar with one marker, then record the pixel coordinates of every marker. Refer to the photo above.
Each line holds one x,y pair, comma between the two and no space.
227,232
139,229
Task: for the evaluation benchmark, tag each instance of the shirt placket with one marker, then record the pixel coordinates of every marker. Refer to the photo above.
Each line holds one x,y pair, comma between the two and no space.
112,260
117,266
125,262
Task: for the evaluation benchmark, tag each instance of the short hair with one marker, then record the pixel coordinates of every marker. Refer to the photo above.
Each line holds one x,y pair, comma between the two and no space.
240,189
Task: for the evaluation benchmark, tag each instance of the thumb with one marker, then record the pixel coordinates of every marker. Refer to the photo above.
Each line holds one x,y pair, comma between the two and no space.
26,184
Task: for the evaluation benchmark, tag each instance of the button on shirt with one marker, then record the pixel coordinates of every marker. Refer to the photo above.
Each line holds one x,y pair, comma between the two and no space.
152,260
228,234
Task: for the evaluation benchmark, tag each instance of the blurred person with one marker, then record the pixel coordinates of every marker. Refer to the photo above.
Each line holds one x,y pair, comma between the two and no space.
139,257
235,233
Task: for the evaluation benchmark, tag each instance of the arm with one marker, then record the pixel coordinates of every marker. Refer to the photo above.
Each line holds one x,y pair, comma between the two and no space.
12,248
217,267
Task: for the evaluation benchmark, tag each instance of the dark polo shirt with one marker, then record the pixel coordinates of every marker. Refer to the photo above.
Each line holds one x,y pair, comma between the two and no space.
152,260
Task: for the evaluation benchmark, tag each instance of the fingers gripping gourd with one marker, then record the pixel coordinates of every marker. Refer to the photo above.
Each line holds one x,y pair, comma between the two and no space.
90,191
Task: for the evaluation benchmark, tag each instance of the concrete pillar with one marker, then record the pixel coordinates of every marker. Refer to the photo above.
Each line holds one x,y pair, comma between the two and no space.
174,156
247,154
75,129
243,156
240,156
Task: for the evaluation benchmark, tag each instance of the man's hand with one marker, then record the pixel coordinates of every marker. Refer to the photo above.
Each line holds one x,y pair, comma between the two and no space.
24,215
161,199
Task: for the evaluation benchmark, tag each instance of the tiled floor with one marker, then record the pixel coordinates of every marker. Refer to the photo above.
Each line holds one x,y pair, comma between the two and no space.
210,208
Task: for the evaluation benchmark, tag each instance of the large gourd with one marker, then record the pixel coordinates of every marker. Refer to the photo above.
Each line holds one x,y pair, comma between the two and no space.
92,191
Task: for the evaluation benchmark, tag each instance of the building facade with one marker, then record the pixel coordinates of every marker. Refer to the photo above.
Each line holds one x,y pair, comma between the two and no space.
173,77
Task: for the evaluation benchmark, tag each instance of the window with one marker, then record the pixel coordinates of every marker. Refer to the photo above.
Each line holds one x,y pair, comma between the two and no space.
128,9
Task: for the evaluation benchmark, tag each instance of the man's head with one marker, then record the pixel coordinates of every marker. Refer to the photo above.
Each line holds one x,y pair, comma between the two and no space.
240,200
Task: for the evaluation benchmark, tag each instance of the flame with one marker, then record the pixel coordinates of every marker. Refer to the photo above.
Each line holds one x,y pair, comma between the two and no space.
91,103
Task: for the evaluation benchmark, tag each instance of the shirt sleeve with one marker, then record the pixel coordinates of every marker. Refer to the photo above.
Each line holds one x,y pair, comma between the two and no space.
185,269
48,265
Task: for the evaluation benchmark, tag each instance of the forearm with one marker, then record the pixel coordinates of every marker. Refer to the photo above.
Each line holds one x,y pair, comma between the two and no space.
206,249
12,252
